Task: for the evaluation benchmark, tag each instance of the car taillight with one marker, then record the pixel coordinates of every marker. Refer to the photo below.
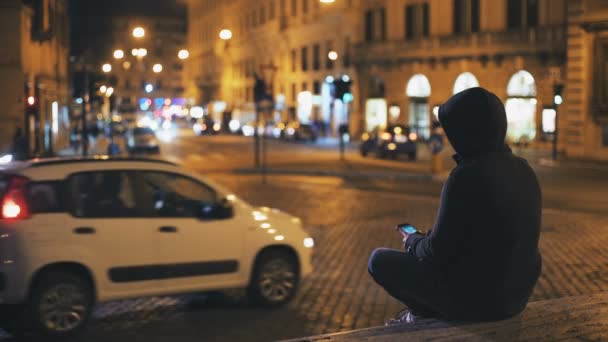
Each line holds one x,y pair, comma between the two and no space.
14,204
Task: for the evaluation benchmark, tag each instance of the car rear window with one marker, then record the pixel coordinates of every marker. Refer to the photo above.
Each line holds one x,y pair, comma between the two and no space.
46,197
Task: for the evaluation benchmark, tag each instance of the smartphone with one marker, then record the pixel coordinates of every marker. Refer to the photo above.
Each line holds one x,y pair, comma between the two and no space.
407,228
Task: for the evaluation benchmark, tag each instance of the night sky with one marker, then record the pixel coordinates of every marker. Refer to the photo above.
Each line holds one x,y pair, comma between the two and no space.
90,24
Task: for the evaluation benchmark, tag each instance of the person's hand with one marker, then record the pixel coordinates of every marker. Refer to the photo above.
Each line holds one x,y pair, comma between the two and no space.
404,235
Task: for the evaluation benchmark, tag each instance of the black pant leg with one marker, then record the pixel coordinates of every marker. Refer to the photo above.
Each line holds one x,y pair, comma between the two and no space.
415,283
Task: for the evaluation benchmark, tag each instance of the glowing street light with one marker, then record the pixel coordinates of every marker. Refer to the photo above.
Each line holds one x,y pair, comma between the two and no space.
327,1
126,65
103,89
119,54
225,34
139,32
135,52
106,68
142,52
183,54
149,88
31,100
109,91
157,68
333,55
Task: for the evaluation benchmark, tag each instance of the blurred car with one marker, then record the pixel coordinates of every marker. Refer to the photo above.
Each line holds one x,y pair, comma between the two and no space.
395,140
295,131
205,126
265,128
142,139
128,228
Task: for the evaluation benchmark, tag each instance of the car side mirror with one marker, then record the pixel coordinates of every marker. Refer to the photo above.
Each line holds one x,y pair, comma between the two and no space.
221,210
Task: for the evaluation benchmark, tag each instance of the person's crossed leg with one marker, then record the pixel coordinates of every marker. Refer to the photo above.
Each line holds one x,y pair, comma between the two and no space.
412,281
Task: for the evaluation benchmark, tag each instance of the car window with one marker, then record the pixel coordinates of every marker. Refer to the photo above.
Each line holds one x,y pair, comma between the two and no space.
45,197
104,194
171,195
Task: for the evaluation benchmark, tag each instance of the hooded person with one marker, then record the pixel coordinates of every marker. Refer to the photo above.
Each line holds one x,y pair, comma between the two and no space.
480,261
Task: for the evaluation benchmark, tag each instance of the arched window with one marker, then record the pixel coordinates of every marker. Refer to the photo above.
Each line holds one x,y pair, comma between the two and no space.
522,84
418,86
465,81
418,90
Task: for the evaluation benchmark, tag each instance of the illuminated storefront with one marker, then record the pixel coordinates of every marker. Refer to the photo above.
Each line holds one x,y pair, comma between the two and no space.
521,108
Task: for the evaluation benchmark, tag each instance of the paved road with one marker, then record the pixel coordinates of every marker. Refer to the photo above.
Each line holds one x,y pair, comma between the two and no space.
348,217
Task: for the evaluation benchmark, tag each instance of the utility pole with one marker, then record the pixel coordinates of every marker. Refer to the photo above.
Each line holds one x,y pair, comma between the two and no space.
557,101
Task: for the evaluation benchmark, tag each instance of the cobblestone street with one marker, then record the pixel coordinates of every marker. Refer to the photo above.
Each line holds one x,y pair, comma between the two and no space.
347,224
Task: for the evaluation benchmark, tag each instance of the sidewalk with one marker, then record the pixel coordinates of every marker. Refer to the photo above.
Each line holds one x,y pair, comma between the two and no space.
580,318
97,146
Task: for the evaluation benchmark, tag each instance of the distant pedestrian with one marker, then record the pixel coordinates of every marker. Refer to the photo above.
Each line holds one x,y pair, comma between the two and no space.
481,259
20,145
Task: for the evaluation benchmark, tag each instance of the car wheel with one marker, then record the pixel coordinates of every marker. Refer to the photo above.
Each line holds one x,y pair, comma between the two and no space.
275,279
60,305
411,156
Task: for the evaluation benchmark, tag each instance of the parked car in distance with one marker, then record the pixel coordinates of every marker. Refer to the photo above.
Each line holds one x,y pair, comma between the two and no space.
295,131
77,232
390,143
142,139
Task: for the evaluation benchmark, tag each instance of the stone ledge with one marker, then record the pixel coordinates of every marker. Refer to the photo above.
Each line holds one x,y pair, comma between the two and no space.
565,319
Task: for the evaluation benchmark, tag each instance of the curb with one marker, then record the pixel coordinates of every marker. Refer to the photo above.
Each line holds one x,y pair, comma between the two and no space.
352,175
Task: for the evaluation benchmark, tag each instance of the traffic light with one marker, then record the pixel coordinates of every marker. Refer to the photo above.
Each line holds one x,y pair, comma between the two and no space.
557,94
343,90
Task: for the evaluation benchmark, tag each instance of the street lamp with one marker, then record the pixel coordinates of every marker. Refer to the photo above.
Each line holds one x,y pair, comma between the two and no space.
149,88
106,68
119,54
333,55
157,68
225,34
183,54
103,89
109,91
139,32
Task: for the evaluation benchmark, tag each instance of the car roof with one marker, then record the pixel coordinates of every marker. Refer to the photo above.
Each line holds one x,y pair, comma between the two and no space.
57,168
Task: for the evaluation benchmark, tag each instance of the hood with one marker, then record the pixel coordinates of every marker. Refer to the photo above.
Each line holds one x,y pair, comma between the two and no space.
475,122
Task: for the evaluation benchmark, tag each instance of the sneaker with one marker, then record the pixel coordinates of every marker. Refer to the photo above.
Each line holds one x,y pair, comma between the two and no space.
404,316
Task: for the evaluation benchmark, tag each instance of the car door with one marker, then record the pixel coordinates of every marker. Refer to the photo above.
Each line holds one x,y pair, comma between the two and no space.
198,253
112,235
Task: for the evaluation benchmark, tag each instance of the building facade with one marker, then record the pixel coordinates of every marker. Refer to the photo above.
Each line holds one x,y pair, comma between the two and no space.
406,57
147,68
584,123
34,73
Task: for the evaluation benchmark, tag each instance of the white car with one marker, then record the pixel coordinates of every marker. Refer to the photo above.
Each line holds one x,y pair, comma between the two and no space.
142,139
76,232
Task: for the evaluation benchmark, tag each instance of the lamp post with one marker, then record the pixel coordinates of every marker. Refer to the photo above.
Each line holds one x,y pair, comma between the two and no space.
557,101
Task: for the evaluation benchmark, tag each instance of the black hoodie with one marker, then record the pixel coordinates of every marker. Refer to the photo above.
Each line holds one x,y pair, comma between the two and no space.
485,238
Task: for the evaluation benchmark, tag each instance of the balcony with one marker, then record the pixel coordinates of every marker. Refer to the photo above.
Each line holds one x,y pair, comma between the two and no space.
545,40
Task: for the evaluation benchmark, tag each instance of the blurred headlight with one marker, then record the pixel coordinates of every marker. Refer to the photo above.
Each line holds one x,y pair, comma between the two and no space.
386,136
234,125
309,242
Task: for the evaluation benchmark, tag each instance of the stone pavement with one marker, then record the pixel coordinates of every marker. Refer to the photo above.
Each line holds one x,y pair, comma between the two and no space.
347,224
